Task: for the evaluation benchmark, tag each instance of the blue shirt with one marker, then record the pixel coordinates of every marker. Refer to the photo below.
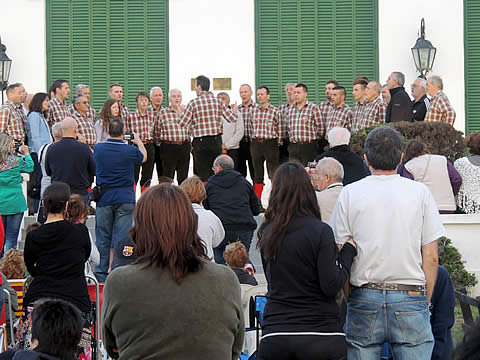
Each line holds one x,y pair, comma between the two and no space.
115,168
38,132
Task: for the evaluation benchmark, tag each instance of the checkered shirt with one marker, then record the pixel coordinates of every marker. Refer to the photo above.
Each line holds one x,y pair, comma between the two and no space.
246,112
358,111
339,116
203,116
155,111
266,123
142,125
91,113
124,113
166,127
284,110
305,125
85,126
57,111
440,109
325,108
374,113
12,121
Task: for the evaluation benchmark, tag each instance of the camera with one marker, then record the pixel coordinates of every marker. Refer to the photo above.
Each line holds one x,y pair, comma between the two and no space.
17,148
312,165
128,137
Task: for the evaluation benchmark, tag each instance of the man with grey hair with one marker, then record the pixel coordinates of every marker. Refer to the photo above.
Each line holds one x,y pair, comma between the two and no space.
420,103
328,183
375,108
284,109
440,107
83,90
232,198
400,106
80,111
156,98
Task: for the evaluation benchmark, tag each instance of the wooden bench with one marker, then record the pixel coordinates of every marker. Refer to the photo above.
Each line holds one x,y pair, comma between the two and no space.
466,303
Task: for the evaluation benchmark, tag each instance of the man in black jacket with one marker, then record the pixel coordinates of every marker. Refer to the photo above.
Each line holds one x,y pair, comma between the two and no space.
400,106
234,201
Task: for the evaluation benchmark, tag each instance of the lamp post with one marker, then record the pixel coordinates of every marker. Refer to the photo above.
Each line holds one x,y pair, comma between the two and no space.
5,64
423,53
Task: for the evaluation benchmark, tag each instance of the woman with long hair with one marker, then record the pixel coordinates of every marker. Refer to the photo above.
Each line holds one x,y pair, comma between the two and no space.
304,271
110,110
38,131
172,303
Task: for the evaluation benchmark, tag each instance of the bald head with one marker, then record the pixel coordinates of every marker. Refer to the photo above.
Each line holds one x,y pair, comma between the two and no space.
69,127
223,162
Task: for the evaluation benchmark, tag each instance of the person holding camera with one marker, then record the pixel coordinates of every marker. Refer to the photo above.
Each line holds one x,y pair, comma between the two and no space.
115,196
14,160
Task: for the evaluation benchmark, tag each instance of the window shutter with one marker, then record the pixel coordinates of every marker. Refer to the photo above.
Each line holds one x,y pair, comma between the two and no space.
472,64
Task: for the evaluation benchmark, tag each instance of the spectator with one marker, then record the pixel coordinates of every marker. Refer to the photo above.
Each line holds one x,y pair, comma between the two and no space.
327,181
13,203
110,110
440,107
55,256
71,161
352,163
435,171
13,265
232,133
400,105
234,201
210,228
386,94
116,163
396,226
236,257
172,273
304,272
468,199
420,103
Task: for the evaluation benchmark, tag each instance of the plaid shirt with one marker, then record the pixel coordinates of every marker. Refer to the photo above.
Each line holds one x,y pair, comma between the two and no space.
440,109
124,113
166,127
374,114
203,115
57,111
305,125
358,111
155,111
266,123
13,120
142,125
91,113
325,108
284,109
339,116
85,126
246,112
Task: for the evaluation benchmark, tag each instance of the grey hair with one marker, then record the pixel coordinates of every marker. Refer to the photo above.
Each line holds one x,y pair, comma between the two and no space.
5,146
155,88
174,91
332,167
78,90
289,84
224,162
436,80
57,130
76,98
338,136
223,93
376,86
396,75
422,83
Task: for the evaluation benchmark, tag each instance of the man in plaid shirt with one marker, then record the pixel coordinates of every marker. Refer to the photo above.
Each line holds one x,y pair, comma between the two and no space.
12,117
245,109
305,127
360,96
266,129
327,105
284,109
80,112
82,89
116,93
174,141
58,109
141,122
375,109
341,115
203,119
440,107
156,97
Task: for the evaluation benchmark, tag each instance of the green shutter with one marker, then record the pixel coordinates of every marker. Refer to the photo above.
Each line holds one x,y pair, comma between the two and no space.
312,41
472,64
100,42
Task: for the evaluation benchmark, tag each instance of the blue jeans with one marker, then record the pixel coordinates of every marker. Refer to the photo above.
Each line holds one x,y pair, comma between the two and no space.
245,236
378,316
11,226
112,223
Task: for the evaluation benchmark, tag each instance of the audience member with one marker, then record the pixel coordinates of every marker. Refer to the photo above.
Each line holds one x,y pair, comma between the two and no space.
468,199
116,93
110,110
284,109
386,94
327,181
341,114
400,105
13,265
440,108
58,109
435,171
396,226
175,284
233,133
236,257
420,102
304,272
234,201
12,116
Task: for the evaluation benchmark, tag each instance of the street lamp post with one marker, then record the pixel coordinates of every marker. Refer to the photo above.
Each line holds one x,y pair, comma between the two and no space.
5,65
423,53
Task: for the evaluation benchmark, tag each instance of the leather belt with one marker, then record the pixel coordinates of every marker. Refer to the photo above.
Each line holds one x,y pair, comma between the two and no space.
174,142
262,139
394,287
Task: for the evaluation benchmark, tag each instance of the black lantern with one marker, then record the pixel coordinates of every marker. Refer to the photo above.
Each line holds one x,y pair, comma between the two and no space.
423,53
5,64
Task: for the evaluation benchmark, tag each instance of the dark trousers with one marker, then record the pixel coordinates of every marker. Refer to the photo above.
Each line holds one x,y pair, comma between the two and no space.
158,161
205,150
264,151
147,167
244,236
283,149
176,157
303,152
244,157
234,154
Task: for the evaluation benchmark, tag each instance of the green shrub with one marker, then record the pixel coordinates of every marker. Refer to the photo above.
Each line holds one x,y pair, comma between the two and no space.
441,138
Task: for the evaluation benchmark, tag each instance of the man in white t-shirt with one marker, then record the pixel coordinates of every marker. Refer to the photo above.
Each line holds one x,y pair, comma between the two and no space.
396,224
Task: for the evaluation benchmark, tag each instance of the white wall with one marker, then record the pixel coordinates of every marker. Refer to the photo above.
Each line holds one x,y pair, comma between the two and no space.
22,29
215,38
399,24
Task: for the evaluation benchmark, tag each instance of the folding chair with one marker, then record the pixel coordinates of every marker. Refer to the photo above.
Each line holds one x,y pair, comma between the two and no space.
95,291
10,318
248,295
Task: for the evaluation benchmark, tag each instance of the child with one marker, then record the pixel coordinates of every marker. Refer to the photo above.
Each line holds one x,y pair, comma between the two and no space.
236,257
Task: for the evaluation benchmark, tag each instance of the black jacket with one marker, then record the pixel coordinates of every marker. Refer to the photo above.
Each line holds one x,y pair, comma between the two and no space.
233,200
25,355
420,107
244,276
400,106
352,163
